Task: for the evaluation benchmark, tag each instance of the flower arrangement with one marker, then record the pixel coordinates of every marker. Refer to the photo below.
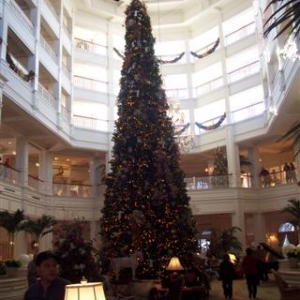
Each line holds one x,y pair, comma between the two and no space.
77,255
293,253
12,263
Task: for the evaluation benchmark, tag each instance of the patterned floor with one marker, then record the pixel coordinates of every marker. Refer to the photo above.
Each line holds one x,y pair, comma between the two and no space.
267,290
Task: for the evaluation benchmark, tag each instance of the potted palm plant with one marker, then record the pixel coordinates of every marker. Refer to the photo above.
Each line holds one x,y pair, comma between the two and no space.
285,17
225,240
11,222
38,228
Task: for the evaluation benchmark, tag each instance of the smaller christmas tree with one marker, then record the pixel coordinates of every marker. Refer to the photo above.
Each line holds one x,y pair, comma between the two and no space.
220,172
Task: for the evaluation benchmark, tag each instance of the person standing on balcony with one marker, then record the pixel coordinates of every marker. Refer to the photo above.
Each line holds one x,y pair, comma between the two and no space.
293,173
6,168
265,177
287,171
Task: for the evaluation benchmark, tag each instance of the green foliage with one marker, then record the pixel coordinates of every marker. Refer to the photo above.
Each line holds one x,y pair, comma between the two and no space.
293,253
293,135
146,206
223,241
286,15
2,268
11,222
293,208
220,172
77,255
40,226
12,263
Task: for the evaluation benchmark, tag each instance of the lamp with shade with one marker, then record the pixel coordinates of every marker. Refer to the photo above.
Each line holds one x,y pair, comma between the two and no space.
174,265
85,291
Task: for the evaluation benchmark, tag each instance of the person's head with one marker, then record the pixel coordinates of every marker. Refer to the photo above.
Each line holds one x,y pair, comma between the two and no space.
249,251
226,257
46,265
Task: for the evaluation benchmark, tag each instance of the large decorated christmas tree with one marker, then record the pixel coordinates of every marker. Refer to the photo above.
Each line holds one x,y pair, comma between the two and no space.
146,205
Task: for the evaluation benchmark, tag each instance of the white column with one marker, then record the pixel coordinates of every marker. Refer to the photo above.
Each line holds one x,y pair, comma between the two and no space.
4,29
1,99
22,149
33,61
238,220
259,227
233,160
20,246
46,172
297,160
95,175
255,167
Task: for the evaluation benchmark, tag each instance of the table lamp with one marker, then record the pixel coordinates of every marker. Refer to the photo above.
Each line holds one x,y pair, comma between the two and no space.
85,291
174,265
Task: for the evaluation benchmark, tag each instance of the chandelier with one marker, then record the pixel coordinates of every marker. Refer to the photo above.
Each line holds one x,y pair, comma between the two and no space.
183,136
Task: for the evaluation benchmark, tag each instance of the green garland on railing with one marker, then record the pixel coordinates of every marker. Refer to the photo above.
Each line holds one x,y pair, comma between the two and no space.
159,60
209,51
214,126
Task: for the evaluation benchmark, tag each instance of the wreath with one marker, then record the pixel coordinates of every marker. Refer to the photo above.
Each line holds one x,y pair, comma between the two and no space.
214,126
209,51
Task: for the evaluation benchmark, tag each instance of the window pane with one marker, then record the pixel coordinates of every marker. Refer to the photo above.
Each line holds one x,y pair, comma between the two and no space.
205,39
246,98
238,21
175,81
207,74
242,59
210,112
171,47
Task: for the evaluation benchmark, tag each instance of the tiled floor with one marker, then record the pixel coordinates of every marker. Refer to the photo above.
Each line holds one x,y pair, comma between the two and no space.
267,290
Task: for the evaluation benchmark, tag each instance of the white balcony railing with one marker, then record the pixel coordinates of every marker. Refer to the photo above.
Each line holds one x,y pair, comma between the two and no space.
90,84
20,16
244,71
90,47
48,49
240,33
90,123
46,96
209,86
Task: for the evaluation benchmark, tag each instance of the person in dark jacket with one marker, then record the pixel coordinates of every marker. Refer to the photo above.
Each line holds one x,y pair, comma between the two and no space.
49,286
227,274
250,269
